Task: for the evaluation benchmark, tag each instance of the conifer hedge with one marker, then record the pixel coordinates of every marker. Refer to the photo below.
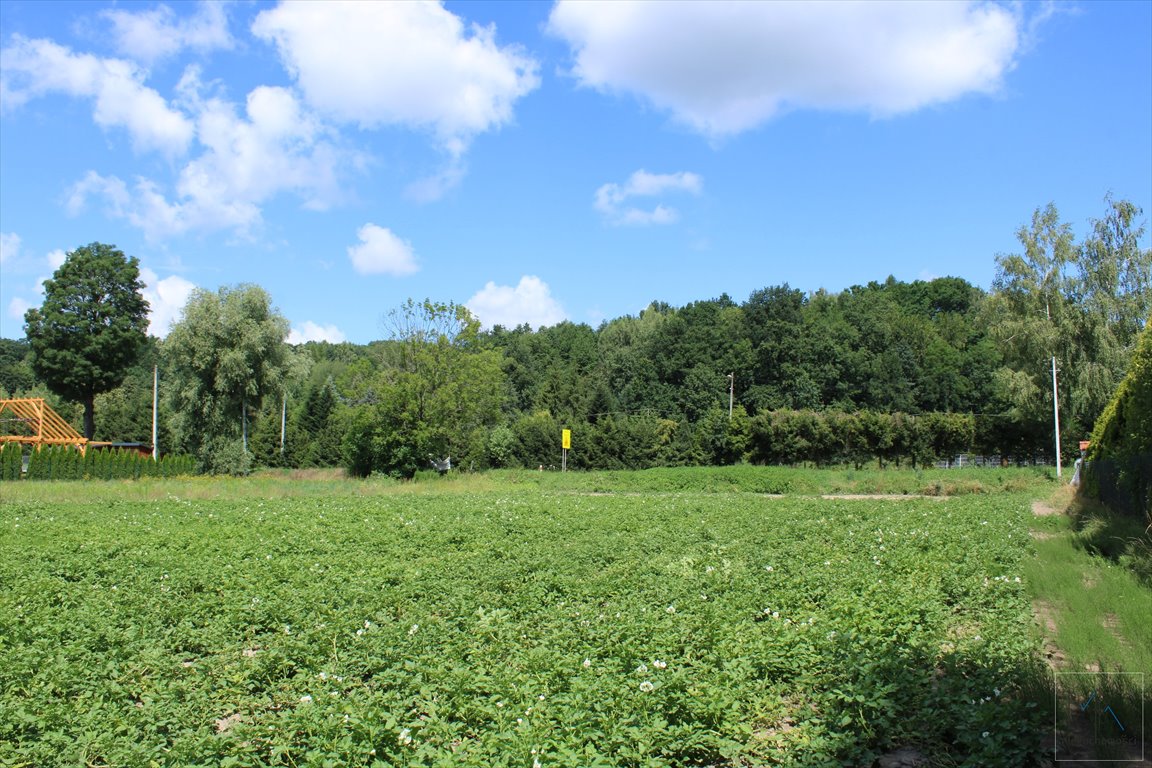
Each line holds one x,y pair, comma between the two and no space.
11,461
1119,460
66,462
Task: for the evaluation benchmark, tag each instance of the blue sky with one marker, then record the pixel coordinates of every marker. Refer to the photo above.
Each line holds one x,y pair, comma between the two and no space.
545,161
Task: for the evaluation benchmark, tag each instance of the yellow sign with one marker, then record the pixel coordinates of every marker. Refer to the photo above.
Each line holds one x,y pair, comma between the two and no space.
566,439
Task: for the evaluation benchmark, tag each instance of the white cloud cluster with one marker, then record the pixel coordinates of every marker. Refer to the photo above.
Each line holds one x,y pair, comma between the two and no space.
611,198
311,331
9,246
158,33
411,64
166,298
34,68
724,68
530,301
18,305
274,147
381,252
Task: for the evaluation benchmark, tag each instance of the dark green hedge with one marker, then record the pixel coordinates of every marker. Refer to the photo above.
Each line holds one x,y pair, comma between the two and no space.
65,462
1119,460
781,437
836,437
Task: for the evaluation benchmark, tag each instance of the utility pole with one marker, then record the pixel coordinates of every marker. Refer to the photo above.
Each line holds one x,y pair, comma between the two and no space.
155,388
1055,395
1056,415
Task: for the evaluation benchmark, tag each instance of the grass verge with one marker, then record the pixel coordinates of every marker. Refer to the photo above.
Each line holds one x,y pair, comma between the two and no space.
278,484
1095,619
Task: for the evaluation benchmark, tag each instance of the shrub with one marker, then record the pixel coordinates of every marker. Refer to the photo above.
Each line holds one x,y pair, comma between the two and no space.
1120,457
11,461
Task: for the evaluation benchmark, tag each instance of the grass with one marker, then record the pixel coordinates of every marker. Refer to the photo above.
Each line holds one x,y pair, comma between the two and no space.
271,484
668,618
1095,608
1117,538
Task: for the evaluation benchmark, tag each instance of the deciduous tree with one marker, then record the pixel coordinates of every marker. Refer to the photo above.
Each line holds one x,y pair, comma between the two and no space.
91,326
437,387
223,356
1113,294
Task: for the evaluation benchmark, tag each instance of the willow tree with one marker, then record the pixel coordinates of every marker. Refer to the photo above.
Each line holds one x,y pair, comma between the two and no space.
1081,304
1113,292
225,354
91,327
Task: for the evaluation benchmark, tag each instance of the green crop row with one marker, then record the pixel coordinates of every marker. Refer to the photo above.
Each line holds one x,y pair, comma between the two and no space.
516,629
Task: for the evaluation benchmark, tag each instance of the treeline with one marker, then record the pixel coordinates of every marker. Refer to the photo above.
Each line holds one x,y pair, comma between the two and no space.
892,371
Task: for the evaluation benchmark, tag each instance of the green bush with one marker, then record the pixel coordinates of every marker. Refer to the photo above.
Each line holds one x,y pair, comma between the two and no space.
226,457
1120,455
11,459
832,437
66,462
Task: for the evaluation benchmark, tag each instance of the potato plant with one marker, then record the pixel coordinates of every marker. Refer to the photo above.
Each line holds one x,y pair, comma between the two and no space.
515,628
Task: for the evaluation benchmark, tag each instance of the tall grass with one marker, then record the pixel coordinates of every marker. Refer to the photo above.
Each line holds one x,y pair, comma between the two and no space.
735,479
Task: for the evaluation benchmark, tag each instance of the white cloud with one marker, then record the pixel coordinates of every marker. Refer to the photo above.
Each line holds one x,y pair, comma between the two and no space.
611,198
9,246
166,298
55,259
411,64
434,187
17,307
381,252
275,147
724,68
158,33
311,331
32,68
530,301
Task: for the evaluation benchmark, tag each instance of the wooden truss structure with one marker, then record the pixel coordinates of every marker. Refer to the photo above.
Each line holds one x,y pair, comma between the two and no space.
31,421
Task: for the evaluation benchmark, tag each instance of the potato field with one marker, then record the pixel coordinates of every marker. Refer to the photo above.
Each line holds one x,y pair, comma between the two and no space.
514,626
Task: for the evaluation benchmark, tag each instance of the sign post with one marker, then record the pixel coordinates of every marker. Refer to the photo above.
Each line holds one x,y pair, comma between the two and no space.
565,444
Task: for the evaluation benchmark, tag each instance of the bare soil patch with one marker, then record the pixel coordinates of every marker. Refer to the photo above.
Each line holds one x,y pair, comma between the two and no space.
886,496
225,724
1112,623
